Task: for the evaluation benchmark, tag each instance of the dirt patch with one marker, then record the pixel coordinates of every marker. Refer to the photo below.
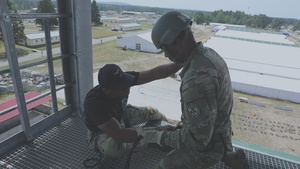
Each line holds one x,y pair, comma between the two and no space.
267,125
202,33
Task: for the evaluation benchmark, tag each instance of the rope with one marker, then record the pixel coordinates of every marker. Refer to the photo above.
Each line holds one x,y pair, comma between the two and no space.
131,151
88,163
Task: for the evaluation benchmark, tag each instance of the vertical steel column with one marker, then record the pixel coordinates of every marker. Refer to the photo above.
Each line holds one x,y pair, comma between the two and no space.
76,32
50,64
66,30
10,48
83,46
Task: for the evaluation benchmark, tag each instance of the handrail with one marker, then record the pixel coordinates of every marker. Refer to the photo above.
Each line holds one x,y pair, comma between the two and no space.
35,98
38,15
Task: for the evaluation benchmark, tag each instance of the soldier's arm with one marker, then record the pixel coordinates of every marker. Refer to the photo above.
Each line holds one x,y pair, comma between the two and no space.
200,112
158,72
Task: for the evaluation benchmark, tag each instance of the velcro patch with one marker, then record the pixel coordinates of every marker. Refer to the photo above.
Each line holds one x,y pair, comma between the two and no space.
184,17
193,110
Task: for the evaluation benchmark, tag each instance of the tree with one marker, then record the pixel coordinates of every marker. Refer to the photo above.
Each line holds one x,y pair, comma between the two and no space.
296,26
17,26
277,23
199,17
46,6
95,14
261,21
220,18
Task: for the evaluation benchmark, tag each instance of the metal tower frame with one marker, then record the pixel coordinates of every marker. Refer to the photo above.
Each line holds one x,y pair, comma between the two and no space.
76,59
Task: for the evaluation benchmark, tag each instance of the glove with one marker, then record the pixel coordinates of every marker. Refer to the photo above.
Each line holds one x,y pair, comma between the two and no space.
150,135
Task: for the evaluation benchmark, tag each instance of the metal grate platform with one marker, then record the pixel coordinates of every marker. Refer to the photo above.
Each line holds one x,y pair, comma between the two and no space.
65,146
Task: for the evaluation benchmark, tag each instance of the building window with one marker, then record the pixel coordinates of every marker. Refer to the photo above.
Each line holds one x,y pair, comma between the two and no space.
138,46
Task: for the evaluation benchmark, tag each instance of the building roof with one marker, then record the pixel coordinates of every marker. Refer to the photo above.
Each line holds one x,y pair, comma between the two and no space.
227,25
41,35
130,25
124,19
146,36
259,36
12,102
260,64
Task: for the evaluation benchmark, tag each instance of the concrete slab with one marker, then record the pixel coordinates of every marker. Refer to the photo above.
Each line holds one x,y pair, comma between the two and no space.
162,94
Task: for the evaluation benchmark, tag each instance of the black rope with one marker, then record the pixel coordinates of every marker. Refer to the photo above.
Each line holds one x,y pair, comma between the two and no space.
91,162
131,151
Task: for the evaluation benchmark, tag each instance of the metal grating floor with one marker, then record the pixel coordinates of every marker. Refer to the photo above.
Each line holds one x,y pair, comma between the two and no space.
65,146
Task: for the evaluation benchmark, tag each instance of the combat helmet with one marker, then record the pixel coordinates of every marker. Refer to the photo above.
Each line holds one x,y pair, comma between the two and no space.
168,27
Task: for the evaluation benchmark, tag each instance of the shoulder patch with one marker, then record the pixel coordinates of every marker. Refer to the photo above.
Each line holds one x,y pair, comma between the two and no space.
193,110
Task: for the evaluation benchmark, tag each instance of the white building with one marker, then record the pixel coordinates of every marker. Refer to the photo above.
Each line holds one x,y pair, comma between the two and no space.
123,20
127,27
141,42
130,13
260,67
138,20
37,39
108,19
217,28
149,13
256,36
212,24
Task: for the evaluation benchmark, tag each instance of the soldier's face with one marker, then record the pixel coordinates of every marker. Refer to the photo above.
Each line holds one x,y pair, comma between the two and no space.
173,52
112,93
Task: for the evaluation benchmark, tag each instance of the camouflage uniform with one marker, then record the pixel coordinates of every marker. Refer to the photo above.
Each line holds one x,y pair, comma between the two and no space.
206,101
134,115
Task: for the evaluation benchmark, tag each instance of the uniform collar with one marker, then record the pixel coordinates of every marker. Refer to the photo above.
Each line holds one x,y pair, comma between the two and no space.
192,55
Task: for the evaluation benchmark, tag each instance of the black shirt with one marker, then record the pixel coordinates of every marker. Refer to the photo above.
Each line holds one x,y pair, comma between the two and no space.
100,108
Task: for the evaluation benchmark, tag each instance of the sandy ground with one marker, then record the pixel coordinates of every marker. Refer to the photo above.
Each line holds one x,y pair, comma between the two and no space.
267,126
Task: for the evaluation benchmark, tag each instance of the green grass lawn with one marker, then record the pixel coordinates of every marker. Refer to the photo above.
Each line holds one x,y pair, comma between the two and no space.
102,32
128,60
97,33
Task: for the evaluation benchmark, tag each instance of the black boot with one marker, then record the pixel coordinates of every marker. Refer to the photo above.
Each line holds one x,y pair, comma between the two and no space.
236,160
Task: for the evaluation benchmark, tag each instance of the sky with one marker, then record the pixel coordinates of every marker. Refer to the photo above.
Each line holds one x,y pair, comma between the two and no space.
271,8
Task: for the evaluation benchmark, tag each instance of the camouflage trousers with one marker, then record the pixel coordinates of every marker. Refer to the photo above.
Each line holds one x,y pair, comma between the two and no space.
135,115
188,158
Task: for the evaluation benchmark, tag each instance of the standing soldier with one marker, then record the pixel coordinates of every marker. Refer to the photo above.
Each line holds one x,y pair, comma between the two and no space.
206,101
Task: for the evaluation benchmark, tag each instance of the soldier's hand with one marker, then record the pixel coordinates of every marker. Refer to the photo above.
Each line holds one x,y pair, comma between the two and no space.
150,136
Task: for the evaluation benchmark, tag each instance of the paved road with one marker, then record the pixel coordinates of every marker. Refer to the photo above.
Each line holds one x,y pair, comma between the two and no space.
39,54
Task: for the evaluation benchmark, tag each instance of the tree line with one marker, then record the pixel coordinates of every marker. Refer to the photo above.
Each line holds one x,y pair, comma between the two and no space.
43,6
240,18
17,25
230,17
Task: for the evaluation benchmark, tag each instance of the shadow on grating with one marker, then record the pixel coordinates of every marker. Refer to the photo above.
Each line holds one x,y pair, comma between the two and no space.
65,146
